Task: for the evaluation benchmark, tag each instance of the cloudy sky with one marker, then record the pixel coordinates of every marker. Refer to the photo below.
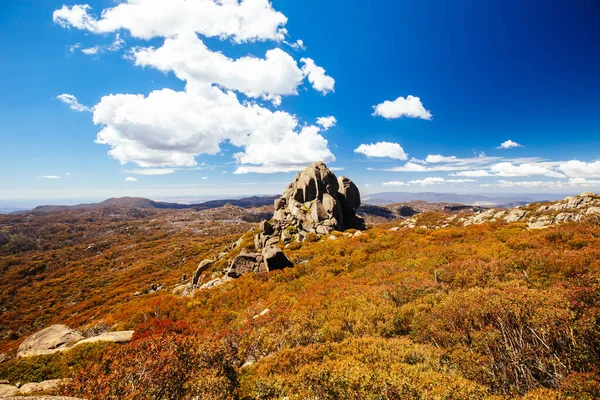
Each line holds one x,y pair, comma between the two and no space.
192,98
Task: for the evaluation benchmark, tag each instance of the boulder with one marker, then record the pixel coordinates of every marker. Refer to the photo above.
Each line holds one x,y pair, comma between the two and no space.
265,228
48,341
275,259
245,263
9,390
202,267
43,386
349,190
114,337
215,282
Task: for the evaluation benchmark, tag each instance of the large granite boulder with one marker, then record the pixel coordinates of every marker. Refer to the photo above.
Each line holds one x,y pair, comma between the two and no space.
48,341
202,267
275,259
316,197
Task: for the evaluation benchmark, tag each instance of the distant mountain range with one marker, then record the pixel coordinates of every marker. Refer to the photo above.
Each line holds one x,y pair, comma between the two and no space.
378,199
140,202
492,200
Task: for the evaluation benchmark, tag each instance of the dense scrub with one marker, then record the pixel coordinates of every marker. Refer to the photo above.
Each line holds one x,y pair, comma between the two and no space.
489,311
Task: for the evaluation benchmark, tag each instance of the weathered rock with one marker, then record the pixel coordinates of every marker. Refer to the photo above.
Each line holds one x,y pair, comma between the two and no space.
202,267
245,263
316,196
9,390
48,341
113,337
43,386
266,228
4,382
349,190
286,236
275,259
215,282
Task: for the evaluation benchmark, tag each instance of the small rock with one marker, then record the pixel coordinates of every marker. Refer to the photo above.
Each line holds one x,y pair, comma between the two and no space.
263,312
9,390
395,228
40,386
332,237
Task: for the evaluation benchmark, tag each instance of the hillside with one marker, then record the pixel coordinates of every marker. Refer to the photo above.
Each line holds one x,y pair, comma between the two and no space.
493,310
140,202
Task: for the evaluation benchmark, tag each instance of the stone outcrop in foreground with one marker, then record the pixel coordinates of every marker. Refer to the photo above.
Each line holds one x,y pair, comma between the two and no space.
56,338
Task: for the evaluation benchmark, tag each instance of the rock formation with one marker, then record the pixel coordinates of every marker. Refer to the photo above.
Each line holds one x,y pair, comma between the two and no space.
56,338
48,341
585,206
315,202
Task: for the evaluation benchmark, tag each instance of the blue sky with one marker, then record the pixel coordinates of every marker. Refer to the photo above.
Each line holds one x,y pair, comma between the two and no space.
234,96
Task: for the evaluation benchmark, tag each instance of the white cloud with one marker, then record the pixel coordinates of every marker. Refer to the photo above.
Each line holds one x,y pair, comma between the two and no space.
478,173
410,107
382,149
395,183
445,163
429,181
131,179
74,47
327,122
298,45
527,169
509,144
580,169
204,178
244,21
188,57
49,177
438,158
317,77
116,45
167,129
152,171
73,103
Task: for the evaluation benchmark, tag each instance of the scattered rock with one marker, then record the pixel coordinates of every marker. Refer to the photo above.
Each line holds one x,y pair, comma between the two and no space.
48,341
4,382
114,337
395,228
202,267
215,282
245,263
43,386
9,390
275,259
262,313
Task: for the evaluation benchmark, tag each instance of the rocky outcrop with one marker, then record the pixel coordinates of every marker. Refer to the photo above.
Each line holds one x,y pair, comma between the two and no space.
56,338
48,341
317,202
584,207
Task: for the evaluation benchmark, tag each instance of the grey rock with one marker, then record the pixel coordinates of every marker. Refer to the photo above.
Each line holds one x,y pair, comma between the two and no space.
9,390
245,263
350,191
43,386
275,259
48,341
202,267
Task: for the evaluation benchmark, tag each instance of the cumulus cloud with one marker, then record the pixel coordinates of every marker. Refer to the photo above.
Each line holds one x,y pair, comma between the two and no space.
509,144
190,60
166,129
382,149
244,21
576,168
410,107
131,179
527,169
327,122
73,103
317,76
49,177
395,183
